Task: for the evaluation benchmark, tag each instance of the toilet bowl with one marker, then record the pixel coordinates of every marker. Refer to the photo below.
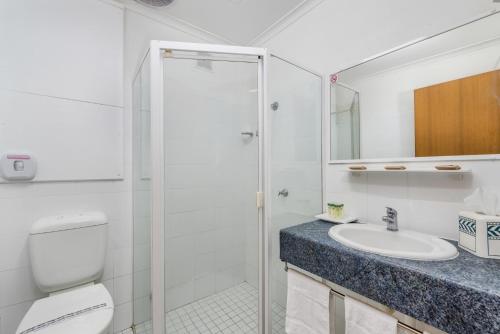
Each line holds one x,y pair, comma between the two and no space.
67,256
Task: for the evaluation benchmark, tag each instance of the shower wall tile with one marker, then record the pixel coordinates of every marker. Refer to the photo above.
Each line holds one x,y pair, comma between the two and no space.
224,280
204,286
142,309
179,272
179,295
186,151
122,289
204,242
205,264
122,317
186,176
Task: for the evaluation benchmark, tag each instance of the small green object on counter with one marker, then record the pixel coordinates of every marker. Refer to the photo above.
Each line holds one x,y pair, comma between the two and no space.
335,210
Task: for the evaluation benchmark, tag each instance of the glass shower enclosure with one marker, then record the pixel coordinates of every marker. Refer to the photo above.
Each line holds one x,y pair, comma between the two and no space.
206,254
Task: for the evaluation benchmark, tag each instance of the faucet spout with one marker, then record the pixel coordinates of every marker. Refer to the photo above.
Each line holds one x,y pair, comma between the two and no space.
391,219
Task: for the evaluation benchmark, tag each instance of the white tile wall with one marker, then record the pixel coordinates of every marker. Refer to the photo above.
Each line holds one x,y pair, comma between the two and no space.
78,55
93,144
425,202
62,77
59,64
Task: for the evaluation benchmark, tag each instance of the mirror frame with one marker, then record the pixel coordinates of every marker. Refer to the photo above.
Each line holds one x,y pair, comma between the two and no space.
403,159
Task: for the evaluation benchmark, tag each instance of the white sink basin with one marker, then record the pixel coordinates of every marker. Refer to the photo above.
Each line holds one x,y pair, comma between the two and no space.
401,244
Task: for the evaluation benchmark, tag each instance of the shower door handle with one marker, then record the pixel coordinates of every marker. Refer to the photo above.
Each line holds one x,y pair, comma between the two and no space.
247,133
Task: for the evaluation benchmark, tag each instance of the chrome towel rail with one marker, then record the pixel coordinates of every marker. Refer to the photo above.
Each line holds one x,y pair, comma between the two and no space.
342,296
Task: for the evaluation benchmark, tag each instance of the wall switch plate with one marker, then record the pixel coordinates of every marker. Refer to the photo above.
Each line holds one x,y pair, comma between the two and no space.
15,166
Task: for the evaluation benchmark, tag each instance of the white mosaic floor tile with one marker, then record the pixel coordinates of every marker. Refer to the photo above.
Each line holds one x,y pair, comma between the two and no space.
232,311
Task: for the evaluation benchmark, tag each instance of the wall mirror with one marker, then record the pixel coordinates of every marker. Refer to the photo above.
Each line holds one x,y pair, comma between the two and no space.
437,98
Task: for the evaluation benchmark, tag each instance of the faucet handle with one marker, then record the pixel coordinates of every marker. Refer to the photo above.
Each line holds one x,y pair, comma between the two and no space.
391,212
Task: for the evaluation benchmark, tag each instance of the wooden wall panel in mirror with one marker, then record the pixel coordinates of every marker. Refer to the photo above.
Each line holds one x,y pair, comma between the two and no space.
436,98
459,117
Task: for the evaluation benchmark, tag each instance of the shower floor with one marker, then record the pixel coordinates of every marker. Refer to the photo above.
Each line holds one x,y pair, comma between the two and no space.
231,311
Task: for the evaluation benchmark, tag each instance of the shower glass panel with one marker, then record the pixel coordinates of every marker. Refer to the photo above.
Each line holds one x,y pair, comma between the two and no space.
141,118
344,120
211,105
295,95
206,257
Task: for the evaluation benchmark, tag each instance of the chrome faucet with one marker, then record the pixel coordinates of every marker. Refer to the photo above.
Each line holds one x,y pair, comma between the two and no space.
391,219
283,192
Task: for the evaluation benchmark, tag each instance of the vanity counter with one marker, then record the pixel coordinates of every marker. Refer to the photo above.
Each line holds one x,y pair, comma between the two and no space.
458,296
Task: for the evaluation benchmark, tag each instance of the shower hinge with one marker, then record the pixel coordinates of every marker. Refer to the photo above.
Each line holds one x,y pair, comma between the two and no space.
167,53
260,199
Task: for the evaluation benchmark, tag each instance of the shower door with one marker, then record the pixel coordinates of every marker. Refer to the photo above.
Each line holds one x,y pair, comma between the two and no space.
207,164
295,96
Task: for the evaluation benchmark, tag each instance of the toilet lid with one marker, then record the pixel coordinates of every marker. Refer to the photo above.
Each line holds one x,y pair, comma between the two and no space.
87,310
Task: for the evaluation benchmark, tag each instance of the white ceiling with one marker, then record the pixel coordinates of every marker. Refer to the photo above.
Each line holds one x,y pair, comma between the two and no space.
239,21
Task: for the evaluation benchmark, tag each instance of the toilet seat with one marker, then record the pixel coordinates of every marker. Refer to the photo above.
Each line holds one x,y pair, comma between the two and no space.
86,310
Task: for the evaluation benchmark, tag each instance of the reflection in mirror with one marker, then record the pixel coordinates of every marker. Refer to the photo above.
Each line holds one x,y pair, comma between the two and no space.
434,98
344,122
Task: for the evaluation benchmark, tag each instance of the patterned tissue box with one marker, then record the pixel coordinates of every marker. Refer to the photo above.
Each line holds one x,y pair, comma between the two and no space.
479,234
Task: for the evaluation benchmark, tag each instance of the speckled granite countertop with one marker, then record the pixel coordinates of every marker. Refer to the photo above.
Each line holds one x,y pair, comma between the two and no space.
459,296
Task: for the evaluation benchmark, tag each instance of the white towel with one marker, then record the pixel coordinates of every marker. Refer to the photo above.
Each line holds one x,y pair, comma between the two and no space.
363,319
307,307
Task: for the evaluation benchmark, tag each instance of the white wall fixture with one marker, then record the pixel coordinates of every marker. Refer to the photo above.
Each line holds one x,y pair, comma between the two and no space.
15,166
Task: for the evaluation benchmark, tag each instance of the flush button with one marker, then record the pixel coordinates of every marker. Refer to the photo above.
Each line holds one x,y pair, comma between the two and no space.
19,165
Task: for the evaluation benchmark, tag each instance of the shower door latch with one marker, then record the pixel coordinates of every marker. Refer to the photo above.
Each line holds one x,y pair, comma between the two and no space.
260,199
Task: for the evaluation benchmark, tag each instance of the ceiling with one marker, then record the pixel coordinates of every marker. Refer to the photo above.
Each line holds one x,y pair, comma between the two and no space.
238,21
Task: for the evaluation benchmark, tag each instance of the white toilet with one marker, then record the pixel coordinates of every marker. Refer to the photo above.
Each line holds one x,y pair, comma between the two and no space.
67,255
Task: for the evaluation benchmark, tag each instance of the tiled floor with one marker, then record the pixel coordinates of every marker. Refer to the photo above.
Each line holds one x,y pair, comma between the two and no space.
232,311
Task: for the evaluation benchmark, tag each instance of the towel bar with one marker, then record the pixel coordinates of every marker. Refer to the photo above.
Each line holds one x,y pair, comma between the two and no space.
400,324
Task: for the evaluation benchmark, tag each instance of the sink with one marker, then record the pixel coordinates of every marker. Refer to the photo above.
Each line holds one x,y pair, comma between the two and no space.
401,244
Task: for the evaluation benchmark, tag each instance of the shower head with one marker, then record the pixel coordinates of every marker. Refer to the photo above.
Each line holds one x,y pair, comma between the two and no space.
155,3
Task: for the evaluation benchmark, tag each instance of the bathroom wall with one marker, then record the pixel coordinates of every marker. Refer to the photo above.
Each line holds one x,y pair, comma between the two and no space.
330,35
52,55
81,61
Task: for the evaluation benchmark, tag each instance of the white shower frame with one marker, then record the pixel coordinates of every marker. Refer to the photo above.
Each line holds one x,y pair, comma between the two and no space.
158,178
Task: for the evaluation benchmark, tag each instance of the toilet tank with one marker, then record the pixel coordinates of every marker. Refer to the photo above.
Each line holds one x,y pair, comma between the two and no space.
68,250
